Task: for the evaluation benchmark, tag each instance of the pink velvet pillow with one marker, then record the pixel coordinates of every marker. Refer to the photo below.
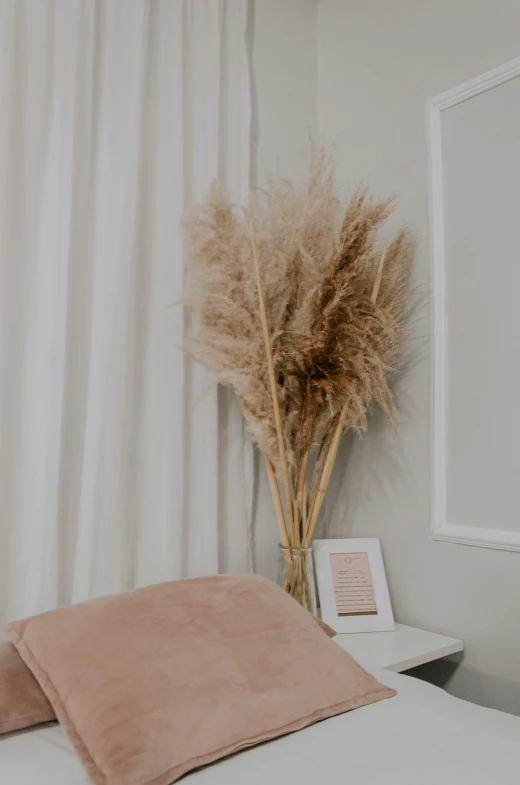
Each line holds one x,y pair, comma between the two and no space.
22,702
151,684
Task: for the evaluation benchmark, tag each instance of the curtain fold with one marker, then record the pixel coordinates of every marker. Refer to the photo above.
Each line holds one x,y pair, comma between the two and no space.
119,465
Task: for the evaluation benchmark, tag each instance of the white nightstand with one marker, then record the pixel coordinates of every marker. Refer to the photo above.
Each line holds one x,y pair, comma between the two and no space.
397,651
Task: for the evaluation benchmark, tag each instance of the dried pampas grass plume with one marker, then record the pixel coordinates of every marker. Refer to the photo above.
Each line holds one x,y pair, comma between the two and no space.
303,317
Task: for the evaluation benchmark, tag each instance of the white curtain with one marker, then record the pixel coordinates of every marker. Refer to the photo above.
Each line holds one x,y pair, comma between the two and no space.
117,466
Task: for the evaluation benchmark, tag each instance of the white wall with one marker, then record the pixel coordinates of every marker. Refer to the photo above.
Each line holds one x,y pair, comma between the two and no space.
378,60
285,115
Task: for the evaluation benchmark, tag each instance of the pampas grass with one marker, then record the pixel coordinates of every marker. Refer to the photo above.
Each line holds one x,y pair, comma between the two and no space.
301,314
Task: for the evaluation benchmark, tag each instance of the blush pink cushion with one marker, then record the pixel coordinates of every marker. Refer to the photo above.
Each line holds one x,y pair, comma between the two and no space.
151,684
22,702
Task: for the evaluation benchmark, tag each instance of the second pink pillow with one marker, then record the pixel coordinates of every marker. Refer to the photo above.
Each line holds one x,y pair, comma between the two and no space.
22,702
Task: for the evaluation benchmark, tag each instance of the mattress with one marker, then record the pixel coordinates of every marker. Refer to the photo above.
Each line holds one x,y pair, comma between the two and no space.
421,737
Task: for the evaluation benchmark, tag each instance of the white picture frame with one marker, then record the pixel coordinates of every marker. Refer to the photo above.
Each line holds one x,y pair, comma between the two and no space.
368,610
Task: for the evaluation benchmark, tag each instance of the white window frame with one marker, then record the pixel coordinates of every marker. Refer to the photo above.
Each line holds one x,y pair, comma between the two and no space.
442,529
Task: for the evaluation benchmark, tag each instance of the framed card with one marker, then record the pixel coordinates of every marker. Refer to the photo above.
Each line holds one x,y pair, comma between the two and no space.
352,586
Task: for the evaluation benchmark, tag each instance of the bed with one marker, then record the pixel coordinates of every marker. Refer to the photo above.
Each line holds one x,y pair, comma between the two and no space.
423,736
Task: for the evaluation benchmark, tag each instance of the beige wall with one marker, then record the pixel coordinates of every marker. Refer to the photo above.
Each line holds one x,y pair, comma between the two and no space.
285,75
285,84
378,60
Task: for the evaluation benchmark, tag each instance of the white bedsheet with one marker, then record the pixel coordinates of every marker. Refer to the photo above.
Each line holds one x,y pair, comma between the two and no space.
421,737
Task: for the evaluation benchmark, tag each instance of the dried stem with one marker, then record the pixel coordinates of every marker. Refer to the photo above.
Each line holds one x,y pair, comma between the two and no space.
325,476
318,467
301,474
272,381
275,493
301,519
377,282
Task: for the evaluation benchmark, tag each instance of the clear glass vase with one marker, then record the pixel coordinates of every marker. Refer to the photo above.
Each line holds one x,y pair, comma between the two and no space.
296,575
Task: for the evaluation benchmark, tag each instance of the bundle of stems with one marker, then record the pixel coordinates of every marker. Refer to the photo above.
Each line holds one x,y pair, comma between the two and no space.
296,529
297,524
303,317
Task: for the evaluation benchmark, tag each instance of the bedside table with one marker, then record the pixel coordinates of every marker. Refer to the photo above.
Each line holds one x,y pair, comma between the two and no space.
399,650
